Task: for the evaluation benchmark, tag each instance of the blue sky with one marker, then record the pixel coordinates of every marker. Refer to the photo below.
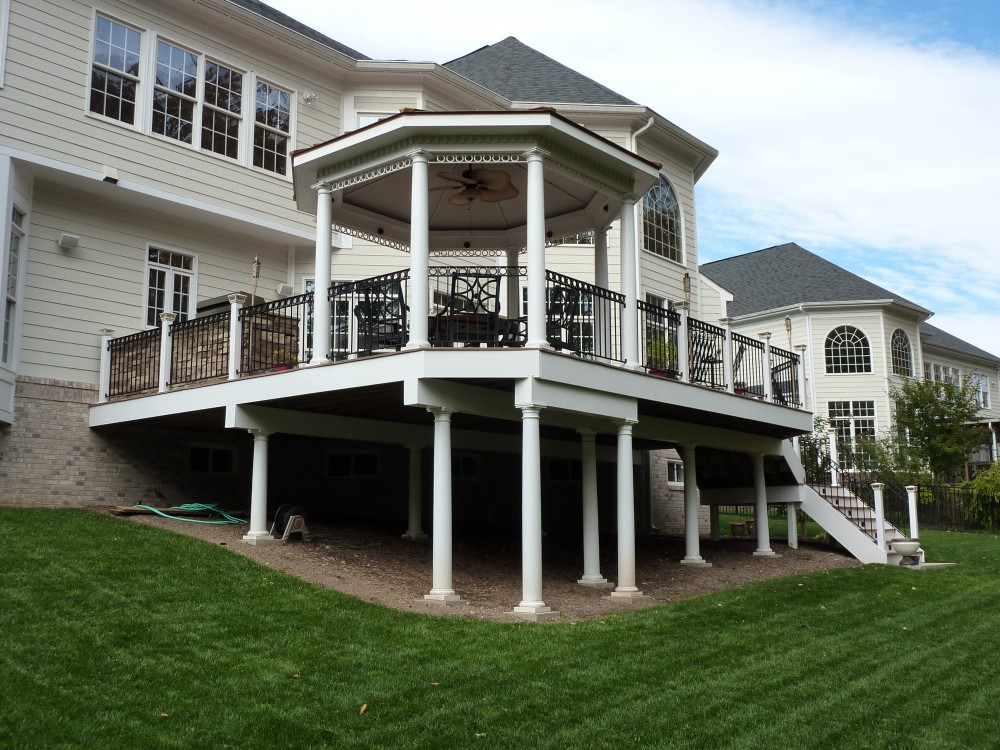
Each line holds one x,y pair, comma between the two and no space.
867,132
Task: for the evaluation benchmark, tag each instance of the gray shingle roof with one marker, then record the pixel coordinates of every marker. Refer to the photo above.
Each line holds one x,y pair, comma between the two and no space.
788,274
269,13
936,337
522,74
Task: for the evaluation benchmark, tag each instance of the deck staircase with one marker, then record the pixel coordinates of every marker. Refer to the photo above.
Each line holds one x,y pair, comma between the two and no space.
846,517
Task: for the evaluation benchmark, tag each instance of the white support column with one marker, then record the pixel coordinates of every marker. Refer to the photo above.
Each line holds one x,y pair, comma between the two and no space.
441,589
911,498
322,309
166,321
414,527
760,508
603,340
630,285
683,360
801,373
537,313
879,502
258,533
591,526
692,553
626,588
513,284
105,385
793,525
727,356
420,252
236,302
768,366
834,458
532,606
601,257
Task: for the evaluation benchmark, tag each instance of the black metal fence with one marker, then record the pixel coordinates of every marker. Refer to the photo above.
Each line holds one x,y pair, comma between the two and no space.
582,318
199,349
658,331
135,363
748,365
275,334
706,343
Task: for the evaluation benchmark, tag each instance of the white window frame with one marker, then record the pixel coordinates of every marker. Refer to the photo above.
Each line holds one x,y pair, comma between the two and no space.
982,385
663,181
146,90
849,364
168,294
854,430
675,473
4,30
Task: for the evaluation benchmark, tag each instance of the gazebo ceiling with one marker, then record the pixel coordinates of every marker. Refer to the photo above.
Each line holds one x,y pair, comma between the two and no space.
369,170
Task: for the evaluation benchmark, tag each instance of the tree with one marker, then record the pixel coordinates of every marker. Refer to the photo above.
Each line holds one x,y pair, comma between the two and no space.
934,427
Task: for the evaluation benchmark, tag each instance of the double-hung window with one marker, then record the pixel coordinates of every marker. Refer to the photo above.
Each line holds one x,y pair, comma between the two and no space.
854,422
170,285
13,272
188,97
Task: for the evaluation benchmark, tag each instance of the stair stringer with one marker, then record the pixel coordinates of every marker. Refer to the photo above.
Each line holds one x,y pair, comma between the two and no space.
859,543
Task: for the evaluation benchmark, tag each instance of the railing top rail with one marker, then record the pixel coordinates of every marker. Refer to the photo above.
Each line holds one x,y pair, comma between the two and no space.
132,338
740,338
275,306
701,325
597,291
205,320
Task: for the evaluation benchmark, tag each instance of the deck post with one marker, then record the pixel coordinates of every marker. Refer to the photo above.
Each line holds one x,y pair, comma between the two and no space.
692,553
683,337
878,500
801,374
236,302
258,490
105,386
911,498
591,527
414,526
322,309
441,585
727,356
834,458
767,365
532,606
629,283
760,508
166,321
793,524
626,588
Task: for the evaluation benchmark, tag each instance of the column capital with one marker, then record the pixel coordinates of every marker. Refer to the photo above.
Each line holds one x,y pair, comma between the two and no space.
259,434
586,434
441,413
421,155
323,188
168,317
536,154
238,298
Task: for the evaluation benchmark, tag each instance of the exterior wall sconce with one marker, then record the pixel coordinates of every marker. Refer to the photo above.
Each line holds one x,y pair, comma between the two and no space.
309,96
788,329
68,241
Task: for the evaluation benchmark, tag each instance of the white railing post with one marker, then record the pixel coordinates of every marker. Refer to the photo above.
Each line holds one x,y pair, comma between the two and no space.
683,363
911,497
105,383
834,458
166,322
801,374
767,364
236,302
877,488
727,356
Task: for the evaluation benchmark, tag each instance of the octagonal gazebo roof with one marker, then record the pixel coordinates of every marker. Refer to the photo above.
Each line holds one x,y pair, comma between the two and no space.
586,177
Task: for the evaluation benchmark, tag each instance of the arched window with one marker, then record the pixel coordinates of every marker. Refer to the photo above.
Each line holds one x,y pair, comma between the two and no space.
902,361
661,221
847,350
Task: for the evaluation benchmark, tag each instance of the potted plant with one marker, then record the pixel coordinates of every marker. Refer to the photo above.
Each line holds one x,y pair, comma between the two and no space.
661,357
740,388
284,359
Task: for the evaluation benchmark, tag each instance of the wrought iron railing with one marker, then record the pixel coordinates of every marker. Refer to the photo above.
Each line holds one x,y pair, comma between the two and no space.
785,377
658,334
748,365
706,343
583,319
134,363
199,349
274,334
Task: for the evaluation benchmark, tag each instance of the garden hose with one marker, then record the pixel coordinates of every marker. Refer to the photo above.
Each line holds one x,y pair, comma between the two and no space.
226,517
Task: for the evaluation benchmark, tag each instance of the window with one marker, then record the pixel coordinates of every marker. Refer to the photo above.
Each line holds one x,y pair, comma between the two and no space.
170,285
352,464
575,310
661,221
942,373
13,273
981,384
272,126
212,459
853,421
114,72
191,99
847,351
902,361
675,472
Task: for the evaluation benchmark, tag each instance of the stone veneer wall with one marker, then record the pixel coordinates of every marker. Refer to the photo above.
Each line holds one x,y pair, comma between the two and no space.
50,456
668,499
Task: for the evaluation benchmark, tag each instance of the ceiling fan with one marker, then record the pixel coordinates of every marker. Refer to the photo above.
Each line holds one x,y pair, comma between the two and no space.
487,185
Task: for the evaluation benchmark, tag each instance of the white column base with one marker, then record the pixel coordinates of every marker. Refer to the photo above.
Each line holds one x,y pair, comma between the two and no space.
535,613
597,582
697,562
627,594
445,597
260,539
416,536
765,553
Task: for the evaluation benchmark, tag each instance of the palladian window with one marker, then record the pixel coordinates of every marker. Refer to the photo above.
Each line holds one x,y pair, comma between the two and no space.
661,221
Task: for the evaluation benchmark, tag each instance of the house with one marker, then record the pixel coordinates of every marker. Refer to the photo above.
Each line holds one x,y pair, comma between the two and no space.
246,263
857,340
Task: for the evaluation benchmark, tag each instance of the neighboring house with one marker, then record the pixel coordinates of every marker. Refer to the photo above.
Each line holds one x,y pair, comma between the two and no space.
857,339
247,264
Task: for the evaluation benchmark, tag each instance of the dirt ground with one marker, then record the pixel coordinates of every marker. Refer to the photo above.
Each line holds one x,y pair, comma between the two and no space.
379,566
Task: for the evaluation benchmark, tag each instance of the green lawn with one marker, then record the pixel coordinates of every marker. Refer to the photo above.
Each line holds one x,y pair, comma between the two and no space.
777,527
118,635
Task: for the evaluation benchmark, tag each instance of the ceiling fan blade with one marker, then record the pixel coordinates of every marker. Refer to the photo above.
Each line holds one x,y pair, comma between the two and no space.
491,179
495,196
461,199
463,178
446,187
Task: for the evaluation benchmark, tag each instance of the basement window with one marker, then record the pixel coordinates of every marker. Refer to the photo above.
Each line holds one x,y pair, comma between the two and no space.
212,459
352,464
